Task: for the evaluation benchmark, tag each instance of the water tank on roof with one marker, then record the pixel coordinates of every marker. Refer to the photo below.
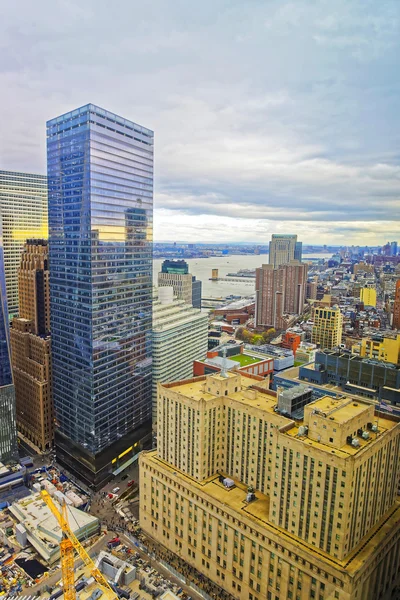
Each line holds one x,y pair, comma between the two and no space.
365,435
303,430
166,294
355,442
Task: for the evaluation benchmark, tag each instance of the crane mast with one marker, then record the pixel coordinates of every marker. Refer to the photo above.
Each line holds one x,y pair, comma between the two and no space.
68,545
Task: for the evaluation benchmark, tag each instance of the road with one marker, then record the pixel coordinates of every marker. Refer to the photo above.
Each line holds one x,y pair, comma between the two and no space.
161,569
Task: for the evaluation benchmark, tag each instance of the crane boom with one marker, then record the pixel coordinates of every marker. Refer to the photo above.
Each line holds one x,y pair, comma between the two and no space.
68,534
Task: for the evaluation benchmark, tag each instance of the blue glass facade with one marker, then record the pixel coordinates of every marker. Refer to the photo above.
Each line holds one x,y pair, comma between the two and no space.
8,432
100,176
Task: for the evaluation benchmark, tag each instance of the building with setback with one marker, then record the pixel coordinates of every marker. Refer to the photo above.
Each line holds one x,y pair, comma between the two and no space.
23,215
31,351
283,249
180,336
267,507
186,287
279,292
100,172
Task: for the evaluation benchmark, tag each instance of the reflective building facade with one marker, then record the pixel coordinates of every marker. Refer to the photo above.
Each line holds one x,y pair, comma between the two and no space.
100,172
8,432
23,215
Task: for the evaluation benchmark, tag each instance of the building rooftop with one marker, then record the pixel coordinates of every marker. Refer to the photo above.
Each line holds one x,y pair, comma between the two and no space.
43,530
260,398
257,512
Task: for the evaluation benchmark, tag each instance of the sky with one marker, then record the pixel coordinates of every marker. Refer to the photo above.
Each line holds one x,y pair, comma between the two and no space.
270,116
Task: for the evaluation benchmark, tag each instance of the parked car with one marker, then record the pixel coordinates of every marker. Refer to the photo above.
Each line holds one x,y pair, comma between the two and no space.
131,482
124,477
115,490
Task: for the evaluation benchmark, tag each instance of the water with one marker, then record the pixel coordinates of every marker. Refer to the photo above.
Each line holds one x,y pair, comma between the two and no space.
202,267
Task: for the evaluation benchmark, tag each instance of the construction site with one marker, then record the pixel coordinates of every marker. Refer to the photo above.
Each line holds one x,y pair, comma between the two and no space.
52,547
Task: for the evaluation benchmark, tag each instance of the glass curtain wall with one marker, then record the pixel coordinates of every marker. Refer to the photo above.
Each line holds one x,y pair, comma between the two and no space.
100,172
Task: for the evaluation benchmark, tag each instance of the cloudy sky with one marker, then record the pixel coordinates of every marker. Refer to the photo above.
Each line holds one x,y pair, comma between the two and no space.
270,116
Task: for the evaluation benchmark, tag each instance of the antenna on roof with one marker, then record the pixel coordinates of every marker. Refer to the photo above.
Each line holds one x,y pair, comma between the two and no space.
224,366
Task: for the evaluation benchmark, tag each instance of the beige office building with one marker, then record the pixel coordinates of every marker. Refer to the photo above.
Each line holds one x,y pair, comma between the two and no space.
180,282
283,248
268,507
23,215
327,327
30,346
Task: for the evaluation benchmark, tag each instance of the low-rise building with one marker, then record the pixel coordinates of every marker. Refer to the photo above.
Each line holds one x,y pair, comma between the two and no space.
42,528
380,347
362,376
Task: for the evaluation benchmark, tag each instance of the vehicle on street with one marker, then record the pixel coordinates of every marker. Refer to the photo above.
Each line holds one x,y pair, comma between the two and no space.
115,490
131,482
124,477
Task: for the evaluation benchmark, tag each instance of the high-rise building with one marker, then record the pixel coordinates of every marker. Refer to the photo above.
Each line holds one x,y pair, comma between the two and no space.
396,307
268,507
30,344
368,296
100,173
393,248
312,288
23,215
298,251
280,292
8,430
175,273
327,327
282,249
180,336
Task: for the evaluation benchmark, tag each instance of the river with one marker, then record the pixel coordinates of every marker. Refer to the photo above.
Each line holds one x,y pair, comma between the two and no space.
202,267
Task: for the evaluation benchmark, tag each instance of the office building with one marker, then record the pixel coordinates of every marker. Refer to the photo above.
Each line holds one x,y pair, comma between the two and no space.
393,248
268,507
368,296
23,215
180,336
100,173
298,251
280,292
327,327
175,273
396,307
8,430
282,249
380,347
31,352
361,376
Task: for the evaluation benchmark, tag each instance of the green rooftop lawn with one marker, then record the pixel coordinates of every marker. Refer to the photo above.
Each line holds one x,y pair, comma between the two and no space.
244,360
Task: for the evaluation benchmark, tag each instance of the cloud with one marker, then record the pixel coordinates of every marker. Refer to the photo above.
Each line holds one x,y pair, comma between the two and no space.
268,116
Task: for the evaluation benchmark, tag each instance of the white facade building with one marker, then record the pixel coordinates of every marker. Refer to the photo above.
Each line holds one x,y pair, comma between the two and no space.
180,336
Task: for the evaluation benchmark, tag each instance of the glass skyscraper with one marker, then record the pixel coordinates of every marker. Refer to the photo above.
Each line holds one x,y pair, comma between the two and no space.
8,431
23,215
100,174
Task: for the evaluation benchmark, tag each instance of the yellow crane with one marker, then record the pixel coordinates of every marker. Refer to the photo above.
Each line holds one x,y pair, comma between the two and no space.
68,544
